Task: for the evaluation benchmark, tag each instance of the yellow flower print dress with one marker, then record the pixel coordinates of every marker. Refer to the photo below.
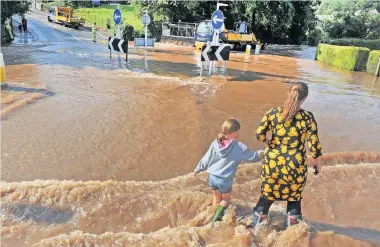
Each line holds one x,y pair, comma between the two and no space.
284,168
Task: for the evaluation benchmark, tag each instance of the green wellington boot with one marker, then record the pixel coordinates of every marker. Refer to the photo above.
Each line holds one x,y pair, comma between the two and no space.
218,214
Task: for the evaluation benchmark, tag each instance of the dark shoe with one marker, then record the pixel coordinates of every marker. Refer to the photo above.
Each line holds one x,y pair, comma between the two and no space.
258,218
292,220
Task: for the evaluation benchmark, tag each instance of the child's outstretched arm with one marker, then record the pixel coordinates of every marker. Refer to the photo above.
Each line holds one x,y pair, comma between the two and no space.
249,155
205,162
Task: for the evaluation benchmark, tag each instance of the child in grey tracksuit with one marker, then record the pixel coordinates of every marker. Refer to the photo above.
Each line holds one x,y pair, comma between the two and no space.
221,162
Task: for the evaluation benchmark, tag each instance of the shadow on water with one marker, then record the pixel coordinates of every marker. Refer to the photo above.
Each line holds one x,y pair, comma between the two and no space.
41,214
175,52
167,68
353,232
29,90
303,52
77,56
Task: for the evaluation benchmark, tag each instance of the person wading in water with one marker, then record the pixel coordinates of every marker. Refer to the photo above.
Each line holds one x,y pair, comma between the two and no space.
221,162
24,23
284,168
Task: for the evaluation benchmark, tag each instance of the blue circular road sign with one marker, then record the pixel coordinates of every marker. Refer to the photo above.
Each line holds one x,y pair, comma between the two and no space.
217,19
146,19
117,16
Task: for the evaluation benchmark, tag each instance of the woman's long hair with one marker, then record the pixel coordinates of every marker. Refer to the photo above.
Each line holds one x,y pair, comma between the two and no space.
297,92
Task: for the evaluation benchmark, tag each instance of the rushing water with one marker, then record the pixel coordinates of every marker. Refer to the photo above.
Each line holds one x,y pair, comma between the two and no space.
153,122
176,212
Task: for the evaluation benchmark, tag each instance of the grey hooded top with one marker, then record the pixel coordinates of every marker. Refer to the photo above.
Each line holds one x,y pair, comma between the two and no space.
222,162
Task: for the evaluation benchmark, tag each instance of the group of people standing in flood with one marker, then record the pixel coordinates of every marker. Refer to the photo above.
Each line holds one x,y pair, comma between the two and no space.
284,167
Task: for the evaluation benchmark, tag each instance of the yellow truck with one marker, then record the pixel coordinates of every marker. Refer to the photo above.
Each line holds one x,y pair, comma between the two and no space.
65,17
238,38
241,36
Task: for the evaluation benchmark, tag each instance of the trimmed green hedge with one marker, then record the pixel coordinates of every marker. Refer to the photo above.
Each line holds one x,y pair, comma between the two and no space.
343,57
372,44
373,60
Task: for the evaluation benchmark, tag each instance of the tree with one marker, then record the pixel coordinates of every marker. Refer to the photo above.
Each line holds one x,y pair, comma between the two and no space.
271,21
174,11
332,7
355,19
303,21
11,8
373,27
315,36
282,22
74,4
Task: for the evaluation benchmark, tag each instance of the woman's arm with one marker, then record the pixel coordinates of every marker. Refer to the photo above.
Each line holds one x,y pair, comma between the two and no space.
314,144
265,125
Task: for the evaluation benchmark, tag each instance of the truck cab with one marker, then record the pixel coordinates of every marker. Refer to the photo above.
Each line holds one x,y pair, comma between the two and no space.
64,16
242,27
52,15
204,33
240,36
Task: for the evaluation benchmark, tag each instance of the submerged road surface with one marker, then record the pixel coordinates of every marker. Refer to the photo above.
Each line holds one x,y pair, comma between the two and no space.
152,119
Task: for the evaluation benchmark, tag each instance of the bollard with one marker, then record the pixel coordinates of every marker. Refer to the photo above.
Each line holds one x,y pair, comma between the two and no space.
2,71
257,49
248,49
377,69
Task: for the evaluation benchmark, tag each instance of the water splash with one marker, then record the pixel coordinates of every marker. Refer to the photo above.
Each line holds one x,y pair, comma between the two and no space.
177,211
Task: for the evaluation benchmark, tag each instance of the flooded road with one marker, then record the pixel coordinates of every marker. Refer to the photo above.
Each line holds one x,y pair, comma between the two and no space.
151,120
101,123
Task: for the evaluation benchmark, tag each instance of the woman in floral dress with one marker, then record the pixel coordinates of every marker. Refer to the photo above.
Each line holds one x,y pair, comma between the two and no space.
284,168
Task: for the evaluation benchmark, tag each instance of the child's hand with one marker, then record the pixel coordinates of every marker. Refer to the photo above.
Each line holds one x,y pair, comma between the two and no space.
194,174
317,169
261,154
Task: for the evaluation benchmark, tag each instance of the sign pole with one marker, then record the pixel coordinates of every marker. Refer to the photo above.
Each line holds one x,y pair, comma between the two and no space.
216,43
117,19
217,21
211,64
109,39
118,34
146,21
218,52
146,37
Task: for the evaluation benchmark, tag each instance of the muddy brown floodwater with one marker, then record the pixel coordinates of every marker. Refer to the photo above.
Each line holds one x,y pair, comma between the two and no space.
124,125
152,124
